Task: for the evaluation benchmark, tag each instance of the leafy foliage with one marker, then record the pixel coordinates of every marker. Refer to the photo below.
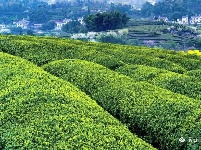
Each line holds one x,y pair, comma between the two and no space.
50,25
106,21
196,74
74,27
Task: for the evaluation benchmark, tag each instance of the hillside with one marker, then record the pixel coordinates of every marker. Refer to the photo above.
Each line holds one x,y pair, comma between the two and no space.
67,94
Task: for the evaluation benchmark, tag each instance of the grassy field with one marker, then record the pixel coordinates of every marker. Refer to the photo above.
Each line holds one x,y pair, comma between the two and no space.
66,94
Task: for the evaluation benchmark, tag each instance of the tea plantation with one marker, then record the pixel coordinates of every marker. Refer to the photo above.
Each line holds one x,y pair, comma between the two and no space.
65,94
40,111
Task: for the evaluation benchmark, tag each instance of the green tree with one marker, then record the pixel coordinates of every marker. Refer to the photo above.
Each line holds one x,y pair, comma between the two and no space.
105,21
50,25
74,27
17,30
147,9
39,16
30,32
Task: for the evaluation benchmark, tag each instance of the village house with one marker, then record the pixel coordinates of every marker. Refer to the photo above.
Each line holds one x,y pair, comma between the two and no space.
59,23
81,20
37,25
67,20
4,29
183,20
195,19
22,23
160,18
2,26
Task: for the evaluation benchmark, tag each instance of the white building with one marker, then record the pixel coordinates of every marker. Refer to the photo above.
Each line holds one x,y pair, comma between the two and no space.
184,20
2,26
160,18
22,23
67,20
81,20
195,19
37,25
59,23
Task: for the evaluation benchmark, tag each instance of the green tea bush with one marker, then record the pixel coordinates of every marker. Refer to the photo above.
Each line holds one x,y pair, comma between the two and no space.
196,74
41,51
140,72
157,115
178,83
130,58
41,111
156,62
187,63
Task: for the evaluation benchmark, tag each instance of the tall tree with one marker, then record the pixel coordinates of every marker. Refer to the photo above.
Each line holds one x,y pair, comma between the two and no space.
105,21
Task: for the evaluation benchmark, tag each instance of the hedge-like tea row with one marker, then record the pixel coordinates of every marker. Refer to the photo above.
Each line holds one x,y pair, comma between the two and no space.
175,82
166,57
141,72
171,57
155,114
142,59
40,111
196,74
42,51
188,62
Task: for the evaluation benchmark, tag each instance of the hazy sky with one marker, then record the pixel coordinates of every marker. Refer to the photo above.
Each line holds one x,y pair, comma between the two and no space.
115,1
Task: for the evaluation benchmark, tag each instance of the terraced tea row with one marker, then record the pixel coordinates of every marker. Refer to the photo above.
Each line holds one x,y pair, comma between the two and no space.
157,115
41,111
178,83
195,73
44,50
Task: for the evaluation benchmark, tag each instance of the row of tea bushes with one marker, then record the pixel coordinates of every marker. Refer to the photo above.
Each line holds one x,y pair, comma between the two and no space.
141,59
46,50
41,111
178,83
157,115
141,72
168,55
196,74
42,51
189,62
